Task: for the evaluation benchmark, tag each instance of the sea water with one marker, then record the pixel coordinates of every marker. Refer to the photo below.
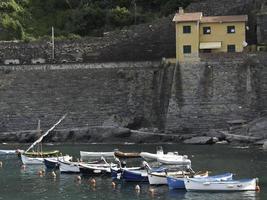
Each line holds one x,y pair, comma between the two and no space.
26,184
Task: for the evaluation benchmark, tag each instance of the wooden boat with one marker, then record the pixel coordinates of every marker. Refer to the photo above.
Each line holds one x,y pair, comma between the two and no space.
224,185
37,156
177,182
85,155
7,152
120,154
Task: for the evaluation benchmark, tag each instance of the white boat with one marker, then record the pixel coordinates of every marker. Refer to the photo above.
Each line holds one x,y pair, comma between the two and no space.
93,169
174,160
85,155
160,178
223,185
26,160
170,158
69,167
53,163
7,152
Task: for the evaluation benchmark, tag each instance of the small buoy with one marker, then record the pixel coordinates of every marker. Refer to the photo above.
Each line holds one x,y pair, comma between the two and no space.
40,173
23,167
258,188
78,178
53,174
1,164
113,184
151,190
93,182
137,188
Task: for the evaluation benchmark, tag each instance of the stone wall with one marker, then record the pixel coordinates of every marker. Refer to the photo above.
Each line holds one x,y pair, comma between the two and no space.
187,98
89,93
220,88
137,43
262,27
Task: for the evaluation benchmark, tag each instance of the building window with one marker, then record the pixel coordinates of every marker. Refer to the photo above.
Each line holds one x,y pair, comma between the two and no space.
206,30
186,29
231,48
187,49
230,29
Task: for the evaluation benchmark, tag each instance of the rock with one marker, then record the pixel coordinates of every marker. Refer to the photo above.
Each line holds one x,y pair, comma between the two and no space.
222,142
216,133
256,128
123,121
241,138
187,136
215,139
260,142
199,140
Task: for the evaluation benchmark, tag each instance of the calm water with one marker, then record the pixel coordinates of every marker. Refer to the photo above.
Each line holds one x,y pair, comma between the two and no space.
16,183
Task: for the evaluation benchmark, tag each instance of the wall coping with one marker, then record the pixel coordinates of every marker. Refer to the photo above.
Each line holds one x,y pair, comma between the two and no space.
67,66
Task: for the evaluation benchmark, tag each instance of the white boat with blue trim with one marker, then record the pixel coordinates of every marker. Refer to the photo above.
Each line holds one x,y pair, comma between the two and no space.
193,184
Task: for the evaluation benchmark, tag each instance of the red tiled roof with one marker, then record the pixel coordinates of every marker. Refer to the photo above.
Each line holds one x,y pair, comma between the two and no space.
187,17
233,18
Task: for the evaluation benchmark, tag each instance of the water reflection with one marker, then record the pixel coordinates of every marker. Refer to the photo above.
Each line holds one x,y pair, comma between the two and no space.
248,195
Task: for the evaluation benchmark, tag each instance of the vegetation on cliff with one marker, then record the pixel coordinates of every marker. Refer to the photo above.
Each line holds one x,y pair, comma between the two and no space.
32,19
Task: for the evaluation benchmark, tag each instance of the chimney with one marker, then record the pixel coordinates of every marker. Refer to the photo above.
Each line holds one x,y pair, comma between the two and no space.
181,10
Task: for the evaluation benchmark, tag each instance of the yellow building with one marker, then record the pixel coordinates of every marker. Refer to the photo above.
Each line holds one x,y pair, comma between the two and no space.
196,33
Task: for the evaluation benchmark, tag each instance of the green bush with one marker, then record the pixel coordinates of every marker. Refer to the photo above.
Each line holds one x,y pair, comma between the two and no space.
120,16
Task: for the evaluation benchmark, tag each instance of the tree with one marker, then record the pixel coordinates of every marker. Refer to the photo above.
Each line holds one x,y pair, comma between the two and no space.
120,16
10,27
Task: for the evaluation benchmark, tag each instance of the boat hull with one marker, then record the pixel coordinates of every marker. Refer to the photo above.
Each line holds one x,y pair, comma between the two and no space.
31,161
155,179
239,185
175,183
7,152
178,182
93,155
69,167
133,176
95,169
37,160
52,163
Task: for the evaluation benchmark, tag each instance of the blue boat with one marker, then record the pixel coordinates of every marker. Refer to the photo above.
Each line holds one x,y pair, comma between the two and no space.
51,163
138,174
178,182
134,175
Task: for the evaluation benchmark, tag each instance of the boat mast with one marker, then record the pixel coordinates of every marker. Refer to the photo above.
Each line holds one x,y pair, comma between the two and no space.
40,146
